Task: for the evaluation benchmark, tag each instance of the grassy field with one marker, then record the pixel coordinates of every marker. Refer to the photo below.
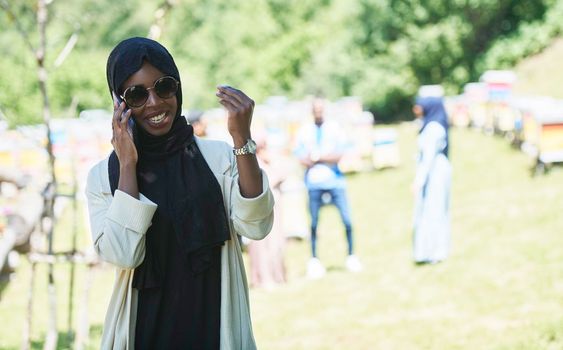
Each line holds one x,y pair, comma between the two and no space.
502,287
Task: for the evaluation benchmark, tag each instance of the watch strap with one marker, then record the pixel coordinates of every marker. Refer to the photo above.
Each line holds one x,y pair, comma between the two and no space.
246,149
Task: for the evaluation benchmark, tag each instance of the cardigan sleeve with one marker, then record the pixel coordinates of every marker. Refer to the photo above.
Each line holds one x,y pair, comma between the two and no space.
252,217
118,223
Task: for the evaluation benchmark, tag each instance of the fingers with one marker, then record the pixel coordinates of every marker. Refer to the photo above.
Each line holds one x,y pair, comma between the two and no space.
119,120
234,96
228,101
118,115
231,92
115,100
228,105
125,118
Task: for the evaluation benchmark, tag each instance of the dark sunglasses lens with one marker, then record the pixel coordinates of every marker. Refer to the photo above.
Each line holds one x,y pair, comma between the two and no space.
166,87
136,96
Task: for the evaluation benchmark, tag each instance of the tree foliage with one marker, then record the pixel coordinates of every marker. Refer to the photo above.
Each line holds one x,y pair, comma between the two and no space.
381,50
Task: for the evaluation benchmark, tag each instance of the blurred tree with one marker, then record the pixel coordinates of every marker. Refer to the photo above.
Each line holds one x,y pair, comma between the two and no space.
381,50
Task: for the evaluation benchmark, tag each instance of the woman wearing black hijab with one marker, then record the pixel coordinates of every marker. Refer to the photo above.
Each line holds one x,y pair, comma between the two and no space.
165,209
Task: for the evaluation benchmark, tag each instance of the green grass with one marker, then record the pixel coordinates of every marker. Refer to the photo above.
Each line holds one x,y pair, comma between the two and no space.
500,289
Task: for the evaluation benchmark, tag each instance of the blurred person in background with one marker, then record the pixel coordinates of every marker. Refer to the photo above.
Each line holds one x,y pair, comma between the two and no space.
267,266
198,121
320,145
166,207
432,183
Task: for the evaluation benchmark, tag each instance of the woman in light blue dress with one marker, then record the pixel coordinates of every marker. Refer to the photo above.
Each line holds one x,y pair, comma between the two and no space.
432,183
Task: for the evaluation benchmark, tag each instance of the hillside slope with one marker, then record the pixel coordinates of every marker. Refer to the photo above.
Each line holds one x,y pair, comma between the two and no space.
541,74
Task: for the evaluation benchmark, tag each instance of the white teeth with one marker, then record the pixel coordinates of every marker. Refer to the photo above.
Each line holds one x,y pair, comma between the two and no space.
157,119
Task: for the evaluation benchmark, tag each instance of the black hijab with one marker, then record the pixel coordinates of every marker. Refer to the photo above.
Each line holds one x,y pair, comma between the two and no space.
171,171
128,57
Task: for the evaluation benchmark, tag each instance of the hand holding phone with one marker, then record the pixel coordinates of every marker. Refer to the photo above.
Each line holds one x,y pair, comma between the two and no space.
131,121
123,131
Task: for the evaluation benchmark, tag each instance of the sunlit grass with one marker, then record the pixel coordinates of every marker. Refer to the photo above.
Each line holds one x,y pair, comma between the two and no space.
501,287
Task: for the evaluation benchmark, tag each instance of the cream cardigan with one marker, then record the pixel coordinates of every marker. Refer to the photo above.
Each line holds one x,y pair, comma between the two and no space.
118,226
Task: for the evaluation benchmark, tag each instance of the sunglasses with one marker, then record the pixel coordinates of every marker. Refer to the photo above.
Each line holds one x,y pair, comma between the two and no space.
136,96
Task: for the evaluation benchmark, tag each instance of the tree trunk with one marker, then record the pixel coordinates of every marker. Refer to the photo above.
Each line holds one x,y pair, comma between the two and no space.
155,31
26,341
83,327
52,334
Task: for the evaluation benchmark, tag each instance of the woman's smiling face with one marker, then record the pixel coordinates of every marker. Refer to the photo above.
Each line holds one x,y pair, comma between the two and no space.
157,114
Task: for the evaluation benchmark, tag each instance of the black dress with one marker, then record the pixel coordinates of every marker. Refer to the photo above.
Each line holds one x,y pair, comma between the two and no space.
184,312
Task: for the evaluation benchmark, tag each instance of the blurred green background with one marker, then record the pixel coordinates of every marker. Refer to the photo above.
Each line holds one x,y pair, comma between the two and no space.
380,50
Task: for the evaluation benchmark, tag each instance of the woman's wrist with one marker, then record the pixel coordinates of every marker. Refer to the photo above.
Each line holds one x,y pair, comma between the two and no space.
240,140
125,166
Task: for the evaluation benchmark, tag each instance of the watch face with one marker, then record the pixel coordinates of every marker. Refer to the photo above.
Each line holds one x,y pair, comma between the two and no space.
251,145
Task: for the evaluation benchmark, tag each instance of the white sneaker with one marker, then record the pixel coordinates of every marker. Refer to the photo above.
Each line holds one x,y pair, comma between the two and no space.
315,269
353,264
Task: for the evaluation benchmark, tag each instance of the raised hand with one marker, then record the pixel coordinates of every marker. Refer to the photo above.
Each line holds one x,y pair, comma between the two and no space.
239,108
